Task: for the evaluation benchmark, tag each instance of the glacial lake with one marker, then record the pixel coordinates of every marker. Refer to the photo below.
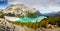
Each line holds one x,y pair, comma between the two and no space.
38,19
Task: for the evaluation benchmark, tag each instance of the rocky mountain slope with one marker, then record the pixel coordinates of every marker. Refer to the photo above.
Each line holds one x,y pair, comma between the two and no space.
6,26
21,10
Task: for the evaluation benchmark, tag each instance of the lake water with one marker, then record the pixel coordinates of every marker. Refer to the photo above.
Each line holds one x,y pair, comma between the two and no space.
38,19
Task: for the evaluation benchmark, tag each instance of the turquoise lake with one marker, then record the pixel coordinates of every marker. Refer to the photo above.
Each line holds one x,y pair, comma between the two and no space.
38,19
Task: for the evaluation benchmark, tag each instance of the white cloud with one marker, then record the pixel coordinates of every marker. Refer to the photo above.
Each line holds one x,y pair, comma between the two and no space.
42,5
14,2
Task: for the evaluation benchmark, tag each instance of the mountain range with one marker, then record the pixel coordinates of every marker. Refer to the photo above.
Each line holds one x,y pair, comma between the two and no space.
52,14
21,10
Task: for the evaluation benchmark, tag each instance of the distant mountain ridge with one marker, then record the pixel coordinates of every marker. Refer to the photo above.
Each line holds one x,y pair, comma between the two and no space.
52,14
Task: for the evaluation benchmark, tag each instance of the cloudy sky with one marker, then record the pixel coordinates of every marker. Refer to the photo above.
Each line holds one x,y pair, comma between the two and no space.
44,6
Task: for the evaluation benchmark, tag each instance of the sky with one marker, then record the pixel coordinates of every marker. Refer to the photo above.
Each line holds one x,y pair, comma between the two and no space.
44,6
3,4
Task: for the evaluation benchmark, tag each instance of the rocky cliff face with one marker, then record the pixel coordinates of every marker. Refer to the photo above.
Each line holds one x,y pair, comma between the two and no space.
19,9
6,26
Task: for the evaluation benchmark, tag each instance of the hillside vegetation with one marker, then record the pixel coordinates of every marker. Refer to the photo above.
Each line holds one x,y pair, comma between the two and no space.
44,23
